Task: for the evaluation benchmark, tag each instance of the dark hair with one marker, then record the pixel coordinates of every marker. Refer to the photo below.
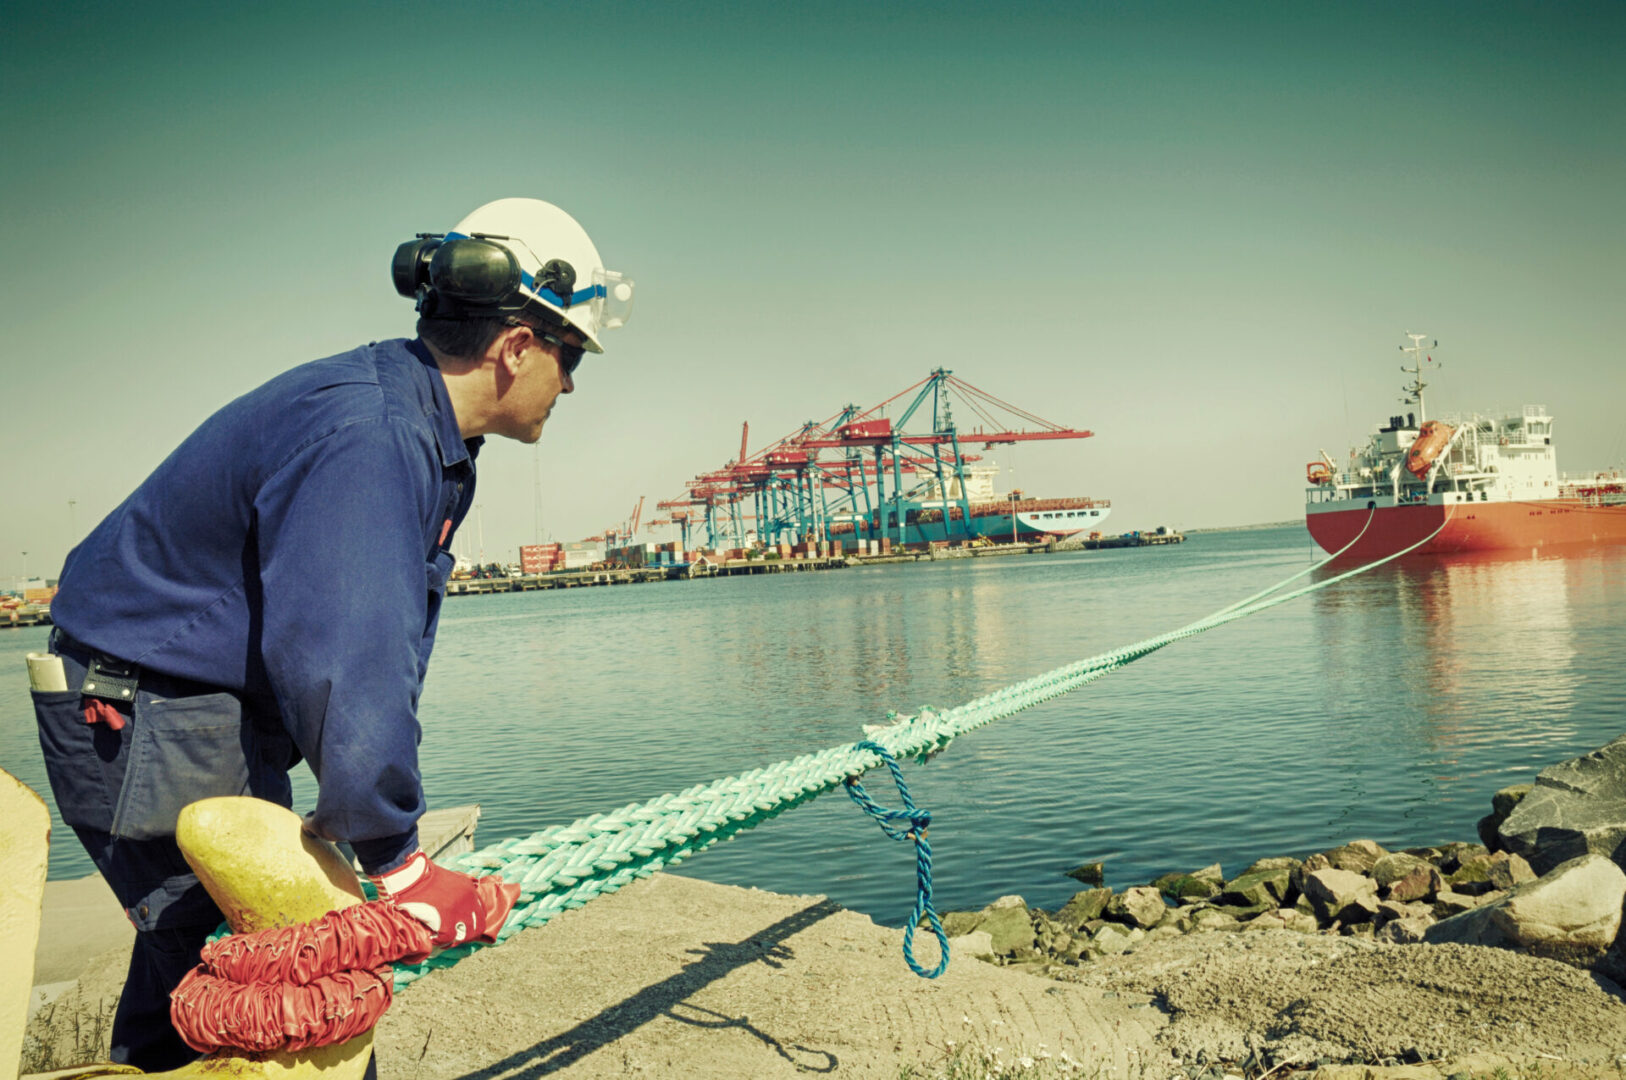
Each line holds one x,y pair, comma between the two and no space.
463,339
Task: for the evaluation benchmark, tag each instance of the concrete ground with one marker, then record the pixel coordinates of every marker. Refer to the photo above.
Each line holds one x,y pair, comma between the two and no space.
675,978
80,920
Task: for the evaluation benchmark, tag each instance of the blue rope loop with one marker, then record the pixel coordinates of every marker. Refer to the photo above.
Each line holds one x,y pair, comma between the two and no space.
910,823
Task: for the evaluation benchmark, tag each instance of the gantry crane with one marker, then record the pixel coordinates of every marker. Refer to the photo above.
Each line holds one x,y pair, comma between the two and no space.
817,480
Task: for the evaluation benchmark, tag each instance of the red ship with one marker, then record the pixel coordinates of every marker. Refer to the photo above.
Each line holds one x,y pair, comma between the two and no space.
1473,483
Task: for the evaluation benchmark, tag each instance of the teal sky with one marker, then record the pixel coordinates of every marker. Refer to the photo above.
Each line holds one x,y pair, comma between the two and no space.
1199,230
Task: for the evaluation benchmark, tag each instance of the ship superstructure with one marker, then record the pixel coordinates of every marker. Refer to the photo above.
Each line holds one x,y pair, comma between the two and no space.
1491,480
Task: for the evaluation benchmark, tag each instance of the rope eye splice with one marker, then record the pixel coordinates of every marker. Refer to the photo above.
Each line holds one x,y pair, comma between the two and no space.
910,823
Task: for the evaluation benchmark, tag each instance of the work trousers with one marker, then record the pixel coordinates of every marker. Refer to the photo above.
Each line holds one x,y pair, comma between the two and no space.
121,791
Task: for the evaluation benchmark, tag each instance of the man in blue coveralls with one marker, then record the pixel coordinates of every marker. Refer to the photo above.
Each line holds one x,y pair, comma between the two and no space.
271,593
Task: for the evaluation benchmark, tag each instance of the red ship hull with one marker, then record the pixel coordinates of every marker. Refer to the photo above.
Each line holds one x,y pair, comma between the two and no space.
1506,526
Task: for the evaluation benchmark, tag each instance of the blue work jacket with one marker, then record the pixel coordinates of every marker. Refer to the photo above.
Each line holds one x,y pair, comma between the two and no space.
295,550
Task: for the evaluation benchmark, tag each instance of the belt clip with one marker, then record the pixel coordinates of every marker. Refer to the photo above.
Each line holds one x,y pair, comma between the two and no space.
110,680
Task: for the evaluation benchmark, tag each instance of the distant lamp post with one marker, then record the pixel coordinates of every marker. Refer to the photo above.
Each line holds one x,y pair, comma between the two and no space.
25,566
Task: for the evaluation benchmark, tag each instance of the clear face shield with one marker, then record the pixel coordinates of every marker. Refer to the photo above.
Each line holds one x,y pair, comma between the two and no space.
612,300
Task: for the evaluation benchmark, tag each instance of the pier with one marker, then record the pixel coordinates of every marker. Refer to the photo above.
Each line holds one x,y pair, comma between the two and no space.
707,567
25,617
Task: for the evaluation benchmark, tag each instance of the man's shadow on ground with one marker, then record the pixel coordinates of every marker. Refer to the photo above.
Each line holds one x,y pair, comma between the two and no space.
667,998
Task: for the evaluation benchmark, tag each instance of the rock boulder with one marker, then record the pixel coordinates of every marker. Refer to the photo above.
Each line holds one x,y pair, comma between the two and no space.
1571,913
1185,887
1576,807
1082,908
1205,919
1141,906
978,944
1114,938
1357,856
1502,804
1391,868
1407,931
1006,921
1305,869
1269,886
1090,873
1508,871
1275,863
1421,883
1284,919
1341,895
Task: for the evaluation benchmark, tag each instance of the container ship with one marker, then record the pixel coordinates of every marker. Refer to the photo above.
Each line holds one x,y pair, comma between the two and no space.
933,512
1484,482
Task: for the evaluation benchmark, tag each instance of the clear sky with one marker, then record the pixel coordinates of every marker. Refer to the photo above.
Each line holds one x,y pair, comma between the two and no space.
1199,230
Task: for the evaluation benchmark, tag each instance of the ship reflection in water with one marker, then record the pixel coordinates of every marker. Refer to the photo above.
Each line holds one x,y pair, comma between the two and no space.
1484,644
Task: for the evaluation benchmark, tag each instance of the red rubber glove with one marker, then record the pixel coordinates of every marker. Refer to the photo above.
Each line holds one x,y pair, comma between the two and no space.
455,907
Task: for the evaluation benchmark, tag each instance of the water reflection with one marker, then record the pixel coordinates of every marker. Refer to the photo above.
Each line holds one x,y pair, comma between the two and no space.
1470,649
1389,706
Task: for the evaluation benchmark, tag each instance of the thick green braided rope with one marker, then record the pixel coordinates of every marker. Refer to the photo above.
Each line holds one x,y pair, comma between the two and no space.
566,866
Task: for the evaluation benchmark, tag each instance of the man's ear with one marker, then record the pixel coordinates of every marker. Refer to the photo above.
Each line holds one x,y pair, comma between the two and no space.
511,347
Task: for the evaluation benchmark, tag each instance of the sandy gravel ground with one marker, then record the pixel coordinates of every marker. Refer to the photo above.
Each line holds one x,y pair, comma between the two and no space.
1307,996
677,978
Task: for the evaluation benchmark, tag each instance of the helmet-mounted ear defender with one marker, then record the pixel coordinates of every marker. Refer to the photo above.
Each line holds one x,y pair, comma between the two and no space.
470,276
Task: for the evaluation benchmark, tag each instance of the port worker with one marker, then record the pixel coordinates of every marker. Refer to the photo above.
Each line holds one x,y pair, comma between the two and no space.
271,593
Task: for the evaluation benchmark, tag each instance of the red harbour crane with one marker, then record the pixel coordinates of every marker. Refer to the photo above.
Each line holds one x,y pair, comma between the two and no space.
830,476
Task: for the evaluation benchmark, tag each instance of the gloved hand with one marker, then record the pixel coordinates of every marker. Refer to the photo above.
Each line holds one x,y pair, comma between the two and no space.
455,907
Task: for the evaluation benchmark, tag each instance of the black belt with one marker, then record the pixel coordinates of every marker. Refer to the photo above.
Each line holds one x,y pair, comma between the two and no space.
106,677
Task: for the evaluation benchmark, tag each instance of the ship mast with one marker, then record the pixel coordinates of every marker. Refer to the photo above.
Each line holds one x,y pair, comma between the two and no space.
1414,392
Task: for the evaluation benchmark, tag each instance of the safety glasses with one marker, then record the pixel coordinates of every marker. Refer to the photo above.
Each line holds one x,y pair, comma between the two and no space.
569,355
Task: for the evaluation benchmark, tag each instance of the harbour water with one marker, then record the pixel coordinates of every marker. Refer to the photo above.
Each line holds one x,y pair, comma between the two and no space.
1389,706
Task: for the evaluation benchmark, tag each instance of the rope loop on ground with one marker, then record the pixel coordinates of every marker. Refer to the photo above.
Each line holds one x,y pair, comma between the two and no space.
917,821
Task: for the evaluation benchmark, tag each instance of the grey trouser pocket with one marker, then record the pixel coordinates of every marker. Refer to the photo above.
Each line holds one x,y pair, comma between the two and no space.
181,750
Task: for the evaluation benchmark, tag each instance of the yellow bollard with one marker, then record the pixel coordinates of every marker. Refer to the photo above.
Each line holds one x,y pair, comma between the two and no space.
265,871
25,844
258,864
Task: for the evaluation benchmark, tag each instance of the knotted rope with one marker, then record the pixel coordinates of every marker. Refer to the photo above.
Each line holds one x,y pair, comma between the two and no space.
917,820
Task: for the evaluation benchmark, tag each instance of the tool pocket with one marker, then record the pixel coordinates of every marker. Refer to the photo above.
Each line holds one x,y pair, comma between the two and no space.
85,762
436,571
182,750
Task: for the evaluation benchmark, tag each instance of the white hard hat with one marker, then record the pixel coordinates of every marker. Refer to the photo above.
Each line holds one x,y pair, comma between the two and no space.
546,264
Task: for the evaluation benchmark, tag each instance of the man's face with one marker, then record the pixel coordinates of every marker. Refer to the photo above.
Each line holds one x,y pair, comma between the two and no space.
539,381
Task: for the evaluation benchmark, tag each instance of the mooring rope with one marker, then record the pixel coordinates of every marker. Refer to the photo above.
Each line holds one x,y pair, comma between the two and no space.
565,866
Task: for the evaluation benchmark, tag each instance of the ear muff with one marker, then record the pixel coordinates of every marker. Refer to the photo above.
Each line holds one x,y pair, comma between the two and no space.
409,269
474,272
468,276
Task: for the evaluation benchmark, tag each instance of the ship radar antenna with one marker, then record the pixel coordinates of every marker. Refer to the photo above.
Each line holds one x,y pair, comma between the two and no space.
1418,353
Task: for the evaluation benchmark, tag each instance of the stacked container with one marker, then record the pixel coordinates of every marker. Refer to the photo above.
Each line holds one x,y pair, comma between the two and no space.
539,558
